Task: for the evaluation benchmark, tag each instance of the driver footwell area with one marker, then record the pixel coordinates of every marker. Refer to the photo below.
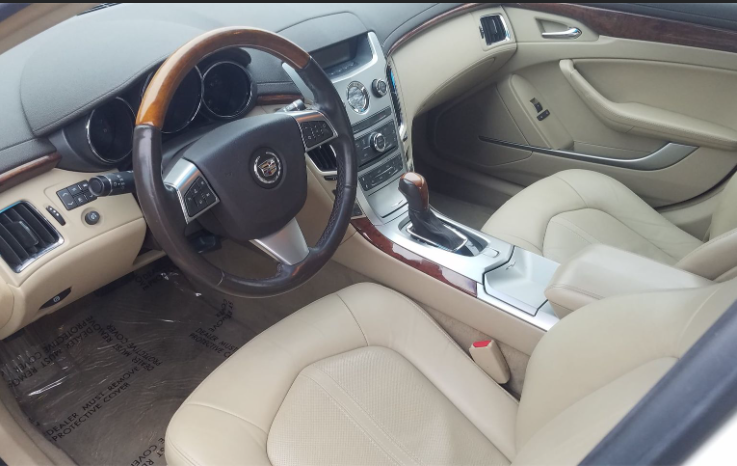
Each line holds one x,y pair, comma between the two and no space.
102,377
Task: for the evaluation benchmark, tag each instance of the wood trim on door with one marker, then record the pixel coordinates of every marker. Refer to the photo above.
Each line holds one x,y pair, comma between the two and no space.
639,27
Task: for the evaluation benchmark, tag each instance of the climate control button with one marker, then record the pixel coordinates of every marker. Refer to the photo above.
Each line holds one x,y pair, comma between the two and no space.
378,142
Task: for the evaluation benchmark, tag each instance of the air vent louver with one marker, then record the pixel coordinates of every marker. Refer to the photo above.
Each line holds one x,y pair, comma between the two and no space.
25,235
395,99
324,158
493,29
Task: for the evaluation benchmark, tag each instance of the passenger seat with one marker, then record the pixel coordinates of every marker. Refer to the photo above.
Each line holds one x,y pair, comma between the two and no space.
560,215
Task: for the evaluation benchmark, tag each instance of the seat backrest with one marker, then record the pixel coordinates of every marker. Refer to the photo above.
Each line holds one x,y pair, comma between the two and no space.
717,258
596,364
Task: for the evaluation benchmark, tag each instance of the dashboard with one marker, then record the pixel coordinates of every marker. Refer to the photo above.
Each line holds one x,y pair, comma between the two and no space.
219,89
68,99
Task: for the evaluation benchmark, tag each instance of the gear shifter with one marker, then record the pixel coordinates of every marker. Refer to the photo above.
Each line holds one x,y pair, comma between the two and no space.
425,223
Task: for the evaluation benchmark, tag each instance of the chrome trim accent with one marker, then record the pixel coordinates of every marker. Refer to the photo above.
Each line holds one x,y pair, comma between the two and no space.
304,116
89,137
570,33
287,245
365,93
507,35
410,230
521,282
248,81
497,253
27,263
199,104
544,319
180,177
494,254
668,155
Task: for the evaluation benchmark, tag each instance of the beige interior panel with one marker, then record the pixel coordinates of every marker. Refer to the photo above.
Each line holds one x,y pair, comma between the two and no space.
358,254
89,257
433,69
708,94
698,84
652,120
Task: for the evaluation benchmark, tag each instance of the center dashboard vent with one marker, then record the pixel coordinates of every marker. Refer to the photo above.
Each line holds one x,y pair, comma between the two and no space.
324,158
25,235
493,29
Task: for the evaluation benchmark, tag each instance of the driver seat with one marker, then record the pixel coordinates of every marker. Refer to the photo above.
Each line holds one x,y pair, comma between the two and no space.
365,377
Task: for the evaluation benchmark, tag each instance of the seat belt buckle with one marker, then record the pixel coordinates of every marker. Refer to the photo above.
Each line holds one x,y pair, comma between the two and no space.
487,355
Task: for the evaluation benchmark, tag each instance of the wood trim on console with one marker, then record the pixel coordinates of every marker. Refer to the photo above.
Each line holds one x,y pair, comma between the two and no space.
639,27
432,22
277,99
25,172
445,275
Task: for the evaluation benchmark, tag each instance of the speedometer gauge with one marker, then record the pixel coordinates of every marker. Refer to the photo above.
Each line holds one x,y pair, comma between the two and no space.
184,104
358,97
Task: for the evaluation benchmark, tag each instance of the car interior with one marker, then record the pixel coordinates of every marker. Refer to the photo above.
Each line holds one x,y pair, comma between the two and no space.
363,234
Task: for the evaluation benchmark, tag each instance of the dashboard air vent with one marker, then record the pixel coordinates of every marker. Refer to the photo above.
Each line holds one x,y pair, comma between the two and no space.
493,29
25,235
324,158
395,102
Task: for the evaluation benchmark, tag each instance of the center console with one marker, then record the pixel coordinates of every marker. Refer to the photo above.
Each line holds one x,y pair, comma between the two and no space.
506,277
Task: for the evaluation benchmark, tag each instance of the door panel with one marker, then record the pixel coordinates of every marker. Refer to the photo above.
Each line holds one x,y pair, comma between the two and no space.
657,116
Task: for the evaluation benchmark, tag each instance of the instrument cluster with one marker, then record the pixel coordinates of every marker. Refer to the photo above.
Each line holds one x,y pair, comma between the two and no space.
220,88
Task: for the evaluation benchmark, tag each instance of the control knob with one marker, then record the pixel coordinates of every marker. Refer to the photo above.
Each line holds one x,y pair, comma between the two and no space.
380,87
378,142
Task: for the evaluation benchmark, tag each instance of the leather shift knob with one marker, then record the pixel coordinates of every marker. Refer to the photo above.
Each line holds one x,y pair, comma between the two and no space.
414,187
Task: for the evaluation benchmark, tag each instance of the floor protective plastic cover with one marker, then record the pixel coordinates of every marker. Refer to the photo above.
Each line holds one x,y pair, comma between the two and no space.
103,377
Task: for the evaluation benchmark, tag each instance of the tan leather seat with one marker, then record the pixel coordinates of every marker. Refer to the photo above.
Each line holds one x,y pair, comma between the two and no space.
366,377
558,216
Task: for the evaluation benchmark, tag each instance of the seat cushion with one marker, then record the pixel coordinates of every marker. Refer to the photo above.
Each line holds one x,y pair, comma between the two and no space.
558,216
362,376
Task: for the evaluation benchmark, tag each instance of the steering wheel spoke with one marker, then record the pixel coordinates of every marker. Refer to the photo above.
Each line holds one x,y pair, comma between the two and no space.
287,245
195,194
315,127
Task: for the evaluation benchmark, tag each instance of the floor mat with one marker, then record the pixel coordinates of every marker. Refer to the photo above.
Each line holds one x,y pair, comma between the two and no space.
102,377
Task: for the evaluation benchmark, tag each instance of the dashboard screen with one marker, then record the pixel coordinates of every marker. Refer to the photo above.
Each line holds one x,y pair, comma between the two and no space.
336,54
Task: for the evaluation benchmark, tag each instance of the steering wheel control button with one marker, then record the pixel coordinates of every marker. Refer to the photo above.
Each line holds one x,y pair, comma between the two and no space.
267,169
92,218
380,87
76,195
55,213
198,197
56,299
315,132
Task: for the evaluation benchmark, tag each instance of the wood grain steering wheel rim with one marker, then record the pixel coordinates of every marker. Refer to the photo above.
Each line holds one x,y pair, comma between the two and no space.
164,208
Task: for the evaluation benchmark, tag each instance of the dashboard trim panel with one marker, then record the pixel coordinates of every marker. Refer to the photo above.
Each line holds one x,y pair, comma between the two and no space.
450,277
25,172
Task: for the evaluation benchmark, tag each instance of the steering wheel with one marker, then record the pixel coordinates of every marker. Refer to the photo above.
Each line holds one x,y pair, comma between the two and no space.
247,179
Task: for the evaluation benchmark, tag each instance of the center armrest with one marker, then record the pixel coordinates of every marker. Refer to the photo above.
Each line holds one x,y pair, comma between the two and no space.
601,271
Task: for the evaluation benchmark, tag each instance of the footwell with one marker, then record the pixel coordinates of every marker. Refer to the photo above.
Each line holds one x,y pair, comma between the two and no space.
102,378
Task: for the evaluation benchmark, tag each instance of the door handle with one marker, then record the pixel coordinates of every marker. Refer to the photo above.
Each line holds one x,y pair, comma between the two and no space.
570,33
